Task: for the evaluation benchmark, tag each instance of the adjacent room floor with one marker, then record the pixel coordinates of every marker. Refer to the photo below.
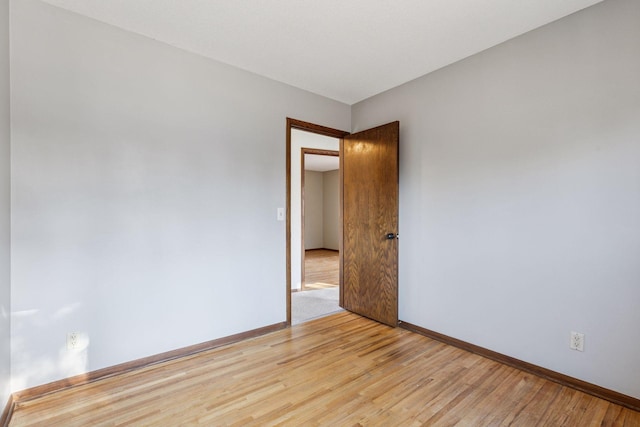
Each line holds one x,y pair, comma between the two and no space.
320,294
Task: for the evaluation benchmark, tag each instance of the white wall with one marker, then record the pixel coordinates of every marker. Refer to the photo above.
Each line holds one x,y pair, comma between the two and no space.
520,195
331,210
5,284
313,210
322,210
299,140
145,186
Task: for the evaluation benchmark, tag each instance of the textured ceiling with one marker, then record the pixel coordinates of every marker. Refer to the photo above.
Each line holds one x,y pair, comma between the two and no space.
347,50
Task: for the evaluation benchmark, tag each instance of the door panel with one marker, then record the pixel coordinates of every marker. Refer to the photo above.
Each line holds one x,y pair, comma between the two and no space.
369,257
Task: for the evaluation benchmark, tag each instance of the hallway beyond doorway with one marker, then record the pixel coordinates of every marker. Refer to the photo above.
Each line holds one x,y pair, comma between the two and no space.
320,291
321,269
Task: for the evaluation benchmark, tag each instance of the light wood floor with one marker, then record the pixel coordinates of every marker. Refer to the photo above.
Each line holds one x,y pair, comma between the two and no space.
341,370
321,269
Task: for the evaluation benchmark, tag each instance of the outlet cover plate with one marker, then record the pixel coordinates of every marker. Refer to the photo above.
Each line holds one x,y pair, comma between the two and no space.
576,341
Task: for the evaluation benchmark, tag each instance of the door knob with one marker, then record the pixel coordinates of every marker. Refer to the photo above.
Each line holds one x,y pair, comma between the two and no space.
391,236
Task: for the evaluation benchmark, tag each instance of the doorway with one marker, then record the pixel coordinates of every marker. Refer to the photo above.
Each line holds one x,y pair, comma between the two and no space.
318,294
315,238
315,140
320,201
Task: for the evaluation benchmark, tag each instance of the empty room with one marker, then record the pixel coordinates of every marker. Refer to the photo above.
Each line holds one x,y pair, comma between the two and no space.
488,234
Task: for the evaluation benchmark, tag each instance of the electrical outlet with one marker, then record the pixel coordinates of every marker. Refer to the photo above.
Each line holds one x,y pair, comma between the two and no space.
73,340
77,341
577,341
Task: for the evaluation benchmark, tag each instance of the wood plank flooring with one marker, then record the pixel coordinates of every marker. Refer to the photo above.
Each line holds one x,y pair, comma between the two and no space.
321,269
340,370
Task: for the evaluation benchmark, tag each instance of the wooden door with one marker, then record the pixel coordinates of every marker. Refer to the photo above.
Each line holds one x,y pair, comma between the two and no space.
369,252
